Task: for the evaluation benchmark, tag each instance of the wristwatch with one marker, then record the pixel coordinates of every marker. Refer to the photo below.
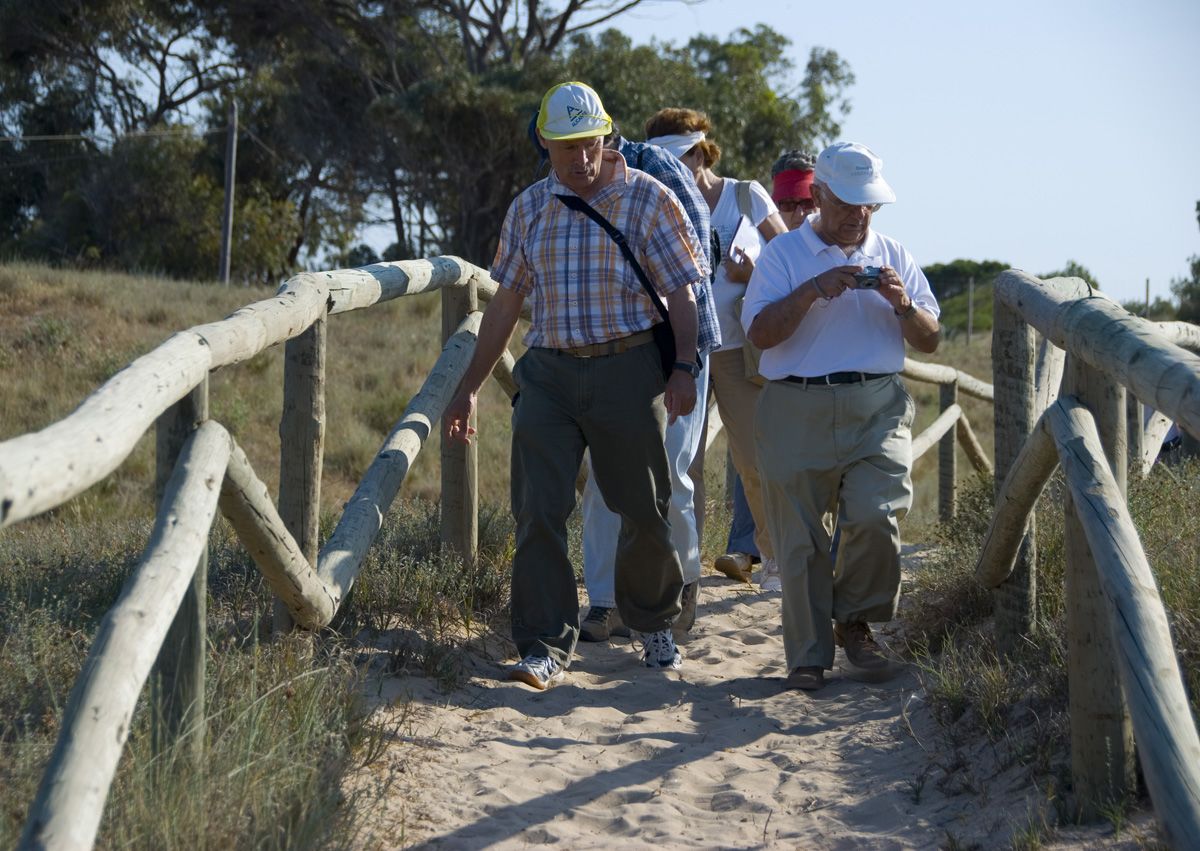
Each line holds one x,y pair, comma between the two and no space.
692,369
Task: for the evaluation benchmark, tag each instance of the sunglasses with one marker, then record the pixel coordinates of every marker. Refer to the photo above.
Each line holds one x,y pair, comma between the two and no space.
790,205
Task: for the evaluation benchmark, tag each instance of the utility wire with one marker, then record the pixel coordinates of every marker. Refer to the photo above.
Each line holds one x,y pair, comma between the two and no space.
77,138
50,161
94,136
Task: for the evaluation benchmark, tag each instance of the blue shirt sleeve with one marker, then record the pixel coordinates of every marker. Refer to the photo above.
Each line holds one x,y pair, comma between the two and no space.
664,167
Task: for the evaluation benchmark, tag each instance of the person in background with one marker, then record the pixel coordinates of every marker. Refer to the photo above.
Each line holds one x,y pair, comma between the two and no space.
684,132
791,190
791,187
592,378
831,305
601,527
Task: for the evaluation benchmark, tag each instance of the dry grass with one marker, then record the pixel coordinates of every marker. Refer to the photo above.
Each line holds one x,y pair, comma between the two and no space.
973,358
285,718
1015,711
64,333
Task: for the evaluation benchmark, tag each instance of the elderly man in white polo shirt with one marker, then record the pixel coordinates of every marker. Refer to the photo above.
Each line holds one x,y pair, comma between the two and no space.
831,305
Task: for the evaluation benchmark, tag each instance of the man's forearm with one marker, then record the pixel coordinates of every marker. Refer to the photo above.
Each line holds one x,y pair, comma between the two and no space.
921,331
681,305
780,319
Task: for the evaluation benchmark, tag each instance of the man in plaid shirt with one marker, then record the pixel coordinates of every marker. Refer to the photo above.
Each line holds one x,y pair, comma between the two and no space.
592,378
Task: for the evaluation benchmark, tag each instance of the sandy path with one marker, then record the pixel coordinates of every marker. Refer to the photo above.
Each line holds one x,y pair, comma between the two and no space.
715,755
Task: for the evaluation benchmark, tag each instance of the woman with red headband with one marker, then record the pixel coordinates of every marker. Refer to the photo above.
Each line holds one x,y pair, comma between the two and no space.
791,189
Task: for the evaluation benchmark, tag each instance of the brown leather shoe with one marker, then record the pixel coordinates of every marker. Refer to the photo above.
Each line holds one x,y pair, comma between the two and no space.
804,678
861,649
737,566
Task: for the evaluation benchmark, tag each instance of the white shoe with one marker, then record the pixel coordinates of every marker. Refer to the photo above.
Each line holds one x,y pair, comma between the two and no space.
659,650
540,672
768,577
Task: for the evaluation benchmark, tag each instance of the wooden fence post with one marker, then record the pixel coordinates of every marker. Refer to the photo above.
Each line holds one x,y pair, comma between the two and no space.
302,446
1135,433
1102,753
178,682
1013,357
460,463
947,396
970,308
230,181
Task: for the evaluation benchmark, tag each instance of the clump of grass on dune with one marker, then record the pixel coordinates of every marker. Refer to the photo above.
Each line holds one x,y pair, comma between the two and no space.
1019,704
286,719
281,722
425,601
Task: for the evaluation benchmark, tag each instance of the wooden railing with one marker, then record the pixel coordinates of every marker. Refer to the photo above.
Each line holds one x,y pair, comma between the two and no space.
158,621
1117,629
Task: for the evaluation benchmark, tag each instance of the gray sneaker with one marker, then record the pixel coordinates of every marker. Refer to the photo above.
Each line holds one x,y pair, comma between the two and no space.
659,650
687,617
601,624
538,671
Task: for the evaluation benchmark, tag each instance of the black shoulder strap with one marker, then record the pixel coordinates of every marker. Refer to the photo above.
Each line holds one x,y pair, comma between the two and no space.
578,204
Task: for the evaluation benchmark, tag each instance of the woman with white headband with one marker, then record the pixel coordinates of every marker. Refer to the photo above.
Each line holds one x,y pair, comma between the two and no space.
684,132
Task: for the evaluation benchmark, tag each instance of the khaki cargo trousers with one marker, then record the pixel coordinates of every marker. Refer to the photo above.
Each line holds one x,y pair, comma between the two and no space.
827,451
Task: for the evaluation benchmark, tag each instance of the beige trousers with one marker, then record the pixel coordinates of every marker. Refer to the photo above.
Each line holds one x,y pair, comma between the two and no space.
841,451
737,399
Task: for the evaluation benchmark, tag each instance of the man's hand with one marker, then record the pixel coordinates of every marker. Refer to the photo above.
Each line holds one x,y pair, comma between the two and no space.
458,417
739,269
891,287
680,397
919,327
833,282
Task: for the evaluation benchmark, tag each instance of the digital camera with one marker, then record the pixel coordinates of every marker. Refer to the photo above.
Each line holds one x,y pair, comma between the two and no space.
868,278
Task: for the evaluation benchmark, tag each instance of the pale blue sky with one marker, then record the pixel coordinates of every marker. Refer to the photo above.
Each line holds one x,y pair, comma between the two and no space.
1028,132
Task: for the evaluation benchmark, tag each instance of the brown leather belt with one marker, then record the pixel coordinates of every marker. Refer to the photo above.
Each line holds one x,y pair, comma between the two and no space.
837,378
610,347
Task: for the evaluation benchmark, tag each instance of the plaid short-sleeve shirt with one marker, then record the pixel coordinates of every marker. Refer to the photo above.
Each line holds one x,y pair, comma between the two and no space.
580,288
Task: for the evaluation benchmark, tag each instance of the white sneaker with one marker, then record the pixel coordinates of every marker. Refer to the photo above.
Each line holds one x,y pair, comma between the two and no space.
659,650
540,672
768,577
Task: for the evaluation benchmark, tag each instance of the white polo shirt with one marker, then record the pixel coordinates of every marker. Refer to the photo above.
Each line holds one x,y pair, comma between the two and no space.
856,332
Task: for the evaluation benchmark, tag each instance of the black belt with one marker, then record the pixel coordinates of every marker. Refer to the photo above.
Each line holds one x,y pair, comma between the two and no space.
837,378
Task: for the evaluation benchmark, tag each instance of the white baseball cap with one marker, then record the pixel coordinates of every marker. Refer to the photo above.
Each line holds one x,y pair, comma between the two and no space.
854,174
572,111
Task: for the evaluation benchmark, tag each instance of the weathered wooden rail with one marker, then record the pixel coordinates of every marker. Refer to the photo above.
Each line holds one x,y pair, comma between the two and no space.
1117,628
157,625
